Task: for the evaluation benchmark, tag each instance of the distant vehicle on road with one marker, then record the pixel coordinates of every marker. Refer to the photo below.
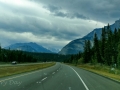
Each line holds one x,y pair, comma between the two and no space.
14,62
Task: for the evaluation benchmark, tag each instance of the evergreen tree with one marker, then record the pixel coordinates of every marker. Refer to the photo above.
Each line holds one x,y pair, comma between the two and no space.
116,37
108,28
109,46
118,34
102,48
96,49
87,51
118,57
115,44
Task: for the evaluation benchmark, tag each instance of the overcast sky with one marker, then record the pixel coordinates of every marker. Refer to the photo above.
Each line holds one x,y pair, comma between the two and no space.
53,23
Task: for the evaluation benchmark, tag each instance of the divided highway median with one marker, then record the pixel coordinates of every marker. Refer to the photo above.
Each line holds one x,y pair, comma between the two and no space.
17,69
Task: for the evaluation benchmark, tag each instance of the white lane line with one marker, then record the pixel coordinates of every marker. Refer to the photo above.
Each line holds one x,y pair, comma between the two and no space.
69,88
38,82
45,73
80,79
53,73
44,79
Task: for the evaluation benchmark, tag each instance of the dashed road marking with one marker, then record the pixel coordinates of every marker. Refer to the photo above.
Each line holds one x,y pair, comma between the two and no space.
69,88
44,79
45,73
53,73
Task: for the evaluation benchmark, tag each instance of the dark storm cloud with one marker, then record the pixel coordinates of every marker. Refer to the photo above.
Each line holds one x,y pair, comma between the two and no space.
98,10
53,22
37,26
52,8
59,11
70,15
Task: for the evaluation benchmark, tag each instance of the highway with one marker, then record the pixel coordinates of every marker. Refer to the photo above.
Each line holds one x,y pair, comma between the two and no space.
58,77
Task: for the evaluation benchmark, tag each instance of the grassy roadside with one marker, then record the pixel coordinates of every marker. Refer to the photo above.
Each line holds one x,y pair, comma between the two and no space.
101,70
11,70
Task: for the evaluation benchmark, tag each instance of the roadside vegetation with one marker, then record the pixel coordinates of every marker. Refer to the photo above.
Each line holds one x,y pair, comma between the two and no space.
7,56
17,69
102,55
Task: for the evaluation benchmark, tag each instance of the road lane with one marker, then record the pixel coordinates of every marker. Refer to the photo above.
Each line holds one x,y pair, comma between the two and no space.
80,78
97,82
58,77
64,79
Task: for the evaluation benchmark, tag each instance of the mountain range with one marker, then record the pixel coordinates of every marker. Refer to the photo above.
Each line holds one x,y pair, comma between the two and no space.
29,47
77,45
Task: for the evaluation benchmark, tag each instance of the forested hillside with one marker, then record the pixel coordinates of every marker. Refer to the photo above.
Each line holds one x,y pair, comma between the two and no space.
21,57
105,51
14,55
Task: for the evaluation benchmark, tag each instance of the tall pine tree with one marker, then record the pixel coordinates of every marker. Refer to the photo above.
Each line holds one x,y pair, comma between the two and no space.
87,51
96,49
103,41
118,57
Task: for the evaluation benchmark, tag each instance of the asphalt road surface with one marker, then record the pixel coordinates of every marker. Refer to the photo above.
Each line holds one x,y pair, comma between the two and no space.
58,77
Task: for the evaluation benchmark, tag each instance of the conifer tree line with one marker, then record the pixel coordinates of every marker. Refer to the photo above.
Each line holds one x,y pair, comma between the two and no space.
14,55
105,50
22,56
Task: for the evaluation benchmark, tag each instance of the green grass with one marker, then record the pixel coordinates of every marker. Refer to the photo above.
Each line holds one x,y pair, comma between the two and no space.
11,70
3,63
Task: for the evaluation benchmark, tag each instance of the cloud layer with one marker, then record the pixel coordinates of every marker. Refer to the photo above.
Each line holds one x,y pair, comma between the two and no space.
53,23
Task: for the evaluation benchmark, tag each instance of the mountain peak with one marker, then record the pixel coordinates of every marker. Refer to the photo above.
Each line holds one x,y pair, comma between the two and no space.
77,45
117,23
29,47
